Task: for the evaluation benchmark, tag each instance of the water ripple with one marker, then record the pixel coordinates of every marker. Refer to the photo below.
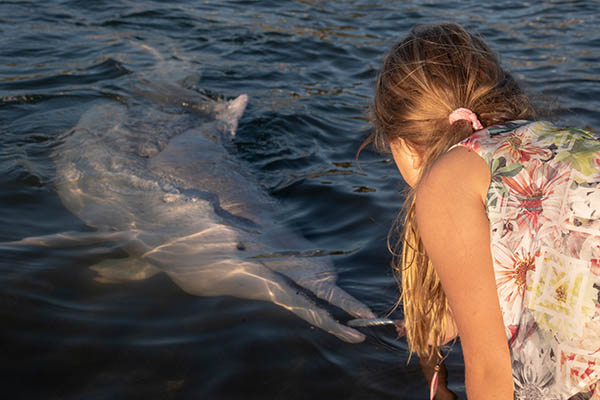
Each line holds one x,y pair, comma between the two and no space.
308,67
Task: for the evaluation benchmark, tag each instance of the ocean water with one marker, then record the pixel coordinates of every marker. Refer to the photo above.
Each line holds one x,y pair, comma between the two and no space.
308,68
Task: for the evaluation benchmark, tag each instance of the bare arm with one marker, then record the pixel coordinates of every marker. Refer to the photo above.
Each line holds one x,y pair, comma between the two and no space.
455,231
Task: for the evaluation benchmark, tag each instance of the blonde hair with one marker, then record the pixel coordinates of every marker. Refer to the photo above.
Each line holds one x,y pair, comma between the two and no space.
433,71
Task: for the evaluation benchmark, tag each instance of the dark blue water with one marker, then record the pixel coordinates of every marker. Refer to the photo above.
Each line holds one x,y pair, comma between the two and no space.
308,67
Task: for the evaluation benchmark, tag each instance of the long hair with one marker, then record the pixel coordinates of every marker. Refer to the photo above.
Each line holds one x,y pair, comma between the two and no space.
433,71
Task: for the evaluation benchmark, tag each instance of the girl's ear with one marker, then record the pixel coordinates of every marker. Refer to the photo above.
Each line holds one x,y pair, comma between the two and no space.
407,159
417,159
410,151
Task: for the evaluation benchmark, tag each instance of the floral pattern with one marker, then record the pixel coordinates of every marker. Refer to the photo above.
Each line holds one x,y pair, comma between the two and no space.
543,204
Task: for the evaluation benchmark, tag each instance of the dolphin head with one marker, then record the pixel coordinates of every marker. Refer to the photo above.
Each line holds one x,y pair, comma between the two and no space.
229,113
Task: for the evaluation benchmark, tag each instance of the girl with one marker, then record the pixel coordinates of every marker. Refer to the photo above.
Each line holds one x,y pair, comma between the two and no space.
501,233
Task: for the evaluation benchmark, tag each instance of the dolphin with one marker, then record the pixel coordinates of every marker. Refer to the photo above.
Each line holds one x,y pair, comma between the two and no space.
156,174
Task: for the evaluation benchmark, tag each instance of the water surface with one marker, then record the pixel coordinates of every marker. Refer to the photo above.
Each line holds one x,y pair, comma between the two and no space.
308,67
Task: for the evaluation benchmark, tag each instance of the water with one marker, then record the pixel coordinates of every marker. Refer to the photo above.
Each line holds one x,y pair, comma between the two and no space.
308,68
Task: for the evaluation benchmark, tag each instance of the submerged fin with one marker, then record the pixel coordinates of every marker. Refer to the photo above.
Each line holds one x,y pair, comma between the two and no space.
123,270
73,239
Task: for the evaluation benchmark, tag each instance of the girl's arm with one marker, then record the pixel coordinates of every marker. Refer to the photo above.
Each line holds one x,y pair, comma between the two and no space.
455,231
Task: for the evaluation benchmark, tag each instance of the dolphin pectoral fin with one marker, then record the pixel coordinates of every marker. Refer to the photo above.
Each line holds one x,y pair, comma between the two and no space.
72,239
319,277
123,269
325,288
250,280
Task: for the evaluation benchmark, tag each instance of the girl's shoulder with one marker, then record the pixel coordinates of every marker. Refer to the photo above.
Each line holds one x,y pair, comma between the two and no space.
466,165
508,147
460,171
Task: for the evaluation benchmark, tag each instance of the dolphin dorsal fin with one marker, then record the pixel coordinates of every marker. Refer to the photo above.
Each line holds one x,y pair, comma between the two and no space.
231,113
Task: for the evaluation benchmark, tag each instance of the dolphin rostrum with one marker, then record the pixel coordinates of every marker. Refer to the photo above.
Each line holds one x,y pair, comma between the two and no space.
157,176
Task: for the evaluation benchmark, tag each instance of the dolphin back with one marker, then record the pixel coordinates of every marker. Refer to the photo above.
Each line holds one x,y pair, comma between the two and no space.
142,166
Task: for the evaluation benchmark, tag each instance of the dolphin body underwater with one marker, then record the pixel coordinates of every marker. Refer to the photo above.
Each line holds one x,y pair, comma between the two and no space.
155,175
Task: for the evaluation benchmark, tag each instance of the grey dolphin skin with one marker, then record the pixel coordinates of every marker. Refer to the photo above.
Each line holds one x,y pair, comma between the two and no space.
155,175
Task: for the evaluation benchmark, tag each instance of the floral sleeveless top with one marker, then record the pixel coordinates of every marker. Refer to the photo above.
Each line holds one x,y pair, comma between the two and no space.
543,205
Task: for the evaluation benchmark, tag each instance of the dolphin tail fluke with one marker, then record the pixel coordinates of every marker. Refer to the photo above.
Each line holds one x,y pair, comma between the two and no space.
123,270
254,281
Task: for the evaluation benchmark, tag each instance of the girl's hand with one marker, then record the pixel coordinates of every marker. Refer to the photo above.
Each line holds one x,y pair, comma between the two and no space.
428,368
400,328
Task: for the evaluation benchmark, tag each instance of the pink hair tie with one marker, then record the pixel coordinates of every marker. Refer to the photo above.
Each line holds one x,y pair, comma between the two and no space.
466,114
